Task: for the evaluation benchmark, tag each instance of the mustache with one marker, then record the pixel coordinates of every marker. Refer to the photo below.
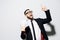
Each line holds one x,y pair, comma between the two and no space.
31,15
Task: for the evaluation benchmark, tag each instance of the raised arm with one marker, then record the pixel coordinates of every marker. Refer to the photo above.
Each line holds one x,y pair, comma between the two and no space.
23,33
48,16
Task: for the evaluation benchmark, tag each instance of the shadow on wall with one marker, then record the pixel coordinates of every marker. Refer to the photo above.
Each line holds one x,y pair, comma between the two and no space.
52,32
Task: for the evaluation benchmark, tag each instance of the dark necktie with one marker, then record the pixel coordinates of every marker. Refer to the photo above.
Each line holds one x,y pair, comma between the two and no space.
33,29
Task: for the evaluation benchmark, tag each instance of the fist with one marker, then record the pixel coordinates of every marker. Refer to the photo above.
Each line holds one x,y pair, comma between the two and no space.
44,8
23,28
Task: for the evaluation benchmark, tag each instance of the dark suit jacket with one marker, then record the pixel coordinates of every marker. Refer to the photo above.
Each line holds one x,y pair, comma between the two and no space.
27,34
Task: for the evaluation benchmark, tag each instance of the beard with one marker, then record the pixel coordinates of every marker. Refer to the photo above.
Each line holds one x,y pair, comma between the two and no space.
30,18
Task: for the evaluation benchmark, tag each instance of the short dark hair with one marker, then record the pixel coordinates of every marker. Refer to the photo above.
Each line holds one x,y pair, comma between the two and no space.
25,11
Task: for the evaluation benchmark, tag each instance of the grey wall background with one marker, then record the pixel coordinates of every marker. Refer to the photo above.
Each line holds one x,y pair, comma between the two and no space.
11,16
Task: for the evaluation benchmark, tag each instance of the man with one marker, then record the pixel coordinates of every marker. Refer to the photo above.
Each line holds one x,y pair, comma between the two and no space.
35,26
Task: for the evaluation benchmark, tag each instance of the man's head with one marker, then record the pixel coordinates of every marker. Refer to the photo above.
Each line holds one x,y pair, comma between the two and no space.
28,14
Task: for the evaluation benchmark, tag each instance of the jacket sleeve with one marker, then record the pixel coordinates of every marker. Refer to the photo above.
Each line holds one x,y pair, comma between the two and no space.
23,34
48,19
